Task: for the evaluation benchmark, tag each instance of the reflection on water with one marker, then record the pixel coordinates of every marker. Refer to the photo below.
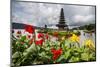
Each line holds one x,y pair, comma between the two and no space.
85,36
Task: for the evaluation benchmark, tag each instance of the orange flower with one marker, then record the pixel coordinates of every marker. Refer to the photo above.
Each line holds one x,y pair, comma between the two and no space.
55,34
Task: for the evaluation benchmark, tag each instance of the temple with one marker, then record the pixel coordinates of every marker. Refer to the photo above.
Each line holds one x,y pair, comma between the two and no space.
61,24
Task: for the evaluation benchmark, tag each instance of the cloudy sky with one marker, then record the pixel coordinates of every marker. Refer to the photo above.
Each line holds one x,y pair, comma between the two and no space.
39,14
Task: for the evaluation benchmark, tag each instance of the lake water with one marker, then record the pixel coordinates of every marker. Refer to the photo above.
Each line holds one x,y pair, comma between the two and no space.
82,37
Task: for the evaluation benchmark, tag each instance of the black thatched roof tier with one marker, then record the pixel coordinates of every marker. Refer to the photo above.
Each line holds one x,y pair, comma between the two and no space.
61,25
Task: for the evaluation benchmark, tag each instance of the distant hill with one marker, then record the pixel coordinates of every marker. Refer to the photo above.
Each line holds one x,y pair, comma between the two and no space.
18,26
21,26
86,27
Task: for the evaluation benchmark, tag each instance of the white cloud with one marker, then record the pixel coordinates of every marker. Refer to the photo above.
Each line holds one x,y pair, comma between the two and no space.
54,27
39,14
82,18
36,13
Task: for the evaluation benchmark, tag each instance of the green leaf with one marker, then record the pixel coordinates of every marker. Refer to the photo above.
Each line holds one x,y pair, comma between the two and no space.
31,49
47,48
67,54
23,38
38,48
42,54
85,56
16,55
60,58
74,59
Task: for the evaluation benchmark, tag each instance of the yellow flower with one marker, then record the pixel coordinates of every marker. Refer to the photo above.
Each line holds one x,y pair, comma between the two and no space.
63,38
89,43
74,38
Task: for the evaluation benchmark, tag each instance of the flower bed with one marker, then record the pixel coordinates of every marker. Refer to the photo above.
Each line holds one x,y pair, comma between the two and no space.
26,50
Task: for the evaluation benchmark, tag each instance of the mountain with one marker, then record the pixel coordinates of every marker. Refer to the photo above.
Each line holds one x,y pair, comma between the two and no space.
21,26
87,27
17,25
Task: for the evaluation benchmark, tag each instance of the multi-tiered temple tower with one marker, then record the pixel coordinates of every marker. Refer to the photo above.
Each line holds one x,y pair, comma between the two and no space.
62,25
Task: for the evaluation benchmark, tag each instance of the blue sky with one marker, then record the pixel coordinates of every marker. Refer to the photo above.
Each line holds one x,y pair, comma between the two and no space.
39,14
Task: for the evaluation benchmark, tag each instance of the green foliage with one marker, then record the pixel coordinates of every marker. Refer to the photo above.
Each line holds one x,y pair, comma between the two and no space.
23,54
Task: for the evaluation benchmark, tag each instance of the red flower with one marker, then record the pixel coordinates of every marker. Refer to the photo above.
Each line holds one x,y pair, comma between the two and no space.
47,36
18,32
39,42
40,35
29,36
52,50
29,29
56,53
55,57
